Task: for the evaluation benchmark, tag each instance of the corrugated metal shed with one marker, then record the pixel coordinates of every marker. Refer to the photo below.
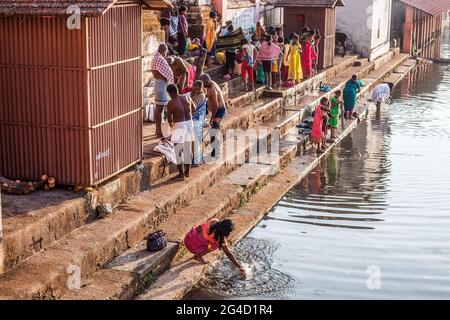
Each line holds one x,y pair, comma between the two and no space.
59,7
71,99
432,7
308,3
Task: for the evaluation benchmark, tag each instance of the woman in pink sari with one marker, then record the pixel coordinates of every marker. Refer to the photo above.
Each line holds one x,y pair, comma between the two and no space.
308,55
267,53
317,134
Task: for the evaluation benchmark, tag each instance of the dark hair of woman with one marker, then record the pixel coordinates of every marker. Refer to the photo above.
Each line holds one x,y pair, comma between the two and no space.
269,39
221,230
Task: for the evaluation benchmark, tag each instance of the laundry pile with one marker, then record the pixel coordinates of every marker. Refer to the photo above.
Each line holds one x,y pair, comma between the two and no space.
306,126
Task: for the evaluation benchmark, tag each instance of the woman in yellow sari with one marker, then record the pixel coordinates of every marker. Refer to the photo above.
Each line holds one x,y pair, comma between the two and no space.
295,63
211,37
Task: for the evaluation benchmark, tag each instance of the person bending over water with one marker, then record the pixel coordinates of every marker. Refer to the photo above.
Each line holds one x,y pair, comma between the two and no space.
210,236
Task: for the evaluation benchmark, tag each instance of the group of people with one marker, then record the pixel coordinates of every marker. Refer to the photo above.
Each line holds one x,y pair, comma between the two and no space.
328,112
186,111
266,57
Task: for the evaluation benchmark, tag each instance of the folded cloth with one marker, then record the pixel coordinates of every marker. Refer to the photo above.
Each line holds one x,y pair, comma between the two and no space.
182,132
166,148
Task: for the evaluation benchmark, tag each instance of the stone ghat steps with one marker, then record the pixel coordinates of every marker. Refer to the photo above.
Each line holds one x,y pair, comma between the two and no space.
45,274
184,272
219,201
117,241
26,235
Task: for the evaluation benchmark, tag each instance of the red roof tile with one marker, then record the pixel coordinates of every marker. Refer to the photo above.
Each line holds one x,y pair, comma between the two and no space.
59,7
308,3
432,7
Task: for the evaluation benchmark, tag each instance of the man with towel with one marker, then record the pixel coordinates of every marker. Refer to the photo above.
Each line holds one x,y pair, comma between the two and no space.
179,113
163,75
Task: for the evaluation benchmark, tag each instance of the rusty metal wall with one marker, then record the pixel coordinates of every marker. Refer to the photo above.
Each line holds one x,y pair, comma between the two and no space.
115,84
43,100
323,19
59,88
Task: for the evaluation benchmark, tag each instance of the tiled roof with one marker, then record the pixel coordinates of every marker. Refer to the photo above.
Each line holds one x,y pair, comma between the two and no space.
432,7
59,7
308,3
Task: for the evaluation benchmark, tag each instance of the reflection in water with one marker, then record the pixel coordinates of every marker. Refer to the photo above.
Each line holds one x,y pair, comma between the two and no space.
379,201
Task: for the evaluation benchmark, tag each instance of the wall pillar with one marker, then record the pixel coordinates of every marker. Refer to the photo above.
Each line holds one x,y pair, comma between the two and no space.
408,30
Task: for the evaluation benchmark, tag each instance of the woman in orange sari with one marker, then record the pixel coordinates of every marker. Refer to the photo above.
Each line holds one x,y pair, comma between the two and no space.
211,37
317,134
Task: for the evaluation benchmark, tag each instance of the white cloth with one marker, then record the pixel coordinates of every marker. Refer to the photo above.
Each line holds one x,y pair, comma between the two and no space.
381,93
183,132
167,149
249,48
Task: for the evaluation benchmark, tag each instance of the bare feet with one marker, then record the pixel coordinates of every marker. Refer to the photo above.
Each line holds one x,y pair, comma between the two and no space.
200,259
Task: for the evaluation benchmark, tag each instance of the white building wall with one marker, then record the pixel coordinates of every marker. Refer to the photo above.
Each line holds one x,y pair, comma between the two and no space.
367,24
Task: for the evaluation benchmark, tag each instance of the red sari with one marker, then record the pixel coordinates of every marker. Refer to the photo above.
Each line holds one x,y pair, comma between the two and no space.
307,59
317,133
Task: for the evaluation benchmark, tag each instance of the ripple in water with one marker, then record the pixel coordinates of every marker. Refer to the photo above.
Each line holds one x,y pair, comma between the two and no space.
263,281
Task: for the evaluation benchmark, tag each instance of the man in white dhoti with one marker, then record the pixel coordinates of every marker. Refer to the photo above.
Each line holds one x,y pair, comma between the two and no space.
179,113
381,93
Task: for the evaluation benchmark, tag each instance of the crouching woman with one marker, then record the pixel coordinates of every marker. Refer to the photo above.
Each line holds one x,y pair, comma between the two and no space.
210,236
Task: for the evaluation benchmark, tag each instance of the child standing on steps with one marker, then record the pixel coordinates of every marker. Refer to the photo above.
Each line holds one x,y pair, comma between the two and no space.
334,113
210,236
317,134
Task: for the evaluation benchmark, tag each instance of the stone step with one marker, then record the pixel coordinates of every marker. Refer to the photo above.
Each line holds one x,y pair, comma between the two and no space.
95,244
26,235
217,202
182,277
92,245
122,277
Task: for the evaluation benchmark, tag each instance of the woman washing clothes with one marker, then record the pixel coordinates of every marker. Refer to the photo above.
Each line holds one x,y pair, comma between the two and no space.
210,236
350,92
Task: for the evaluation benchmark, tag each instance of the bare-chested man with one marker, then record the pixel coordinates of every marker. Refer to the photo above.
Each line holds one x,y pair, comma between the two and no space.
215,101
180,69
216,105
179,113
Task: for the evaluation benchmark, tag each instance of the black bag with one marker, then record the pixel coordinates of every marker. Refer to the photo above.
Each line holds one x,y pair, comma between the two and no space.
156,241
